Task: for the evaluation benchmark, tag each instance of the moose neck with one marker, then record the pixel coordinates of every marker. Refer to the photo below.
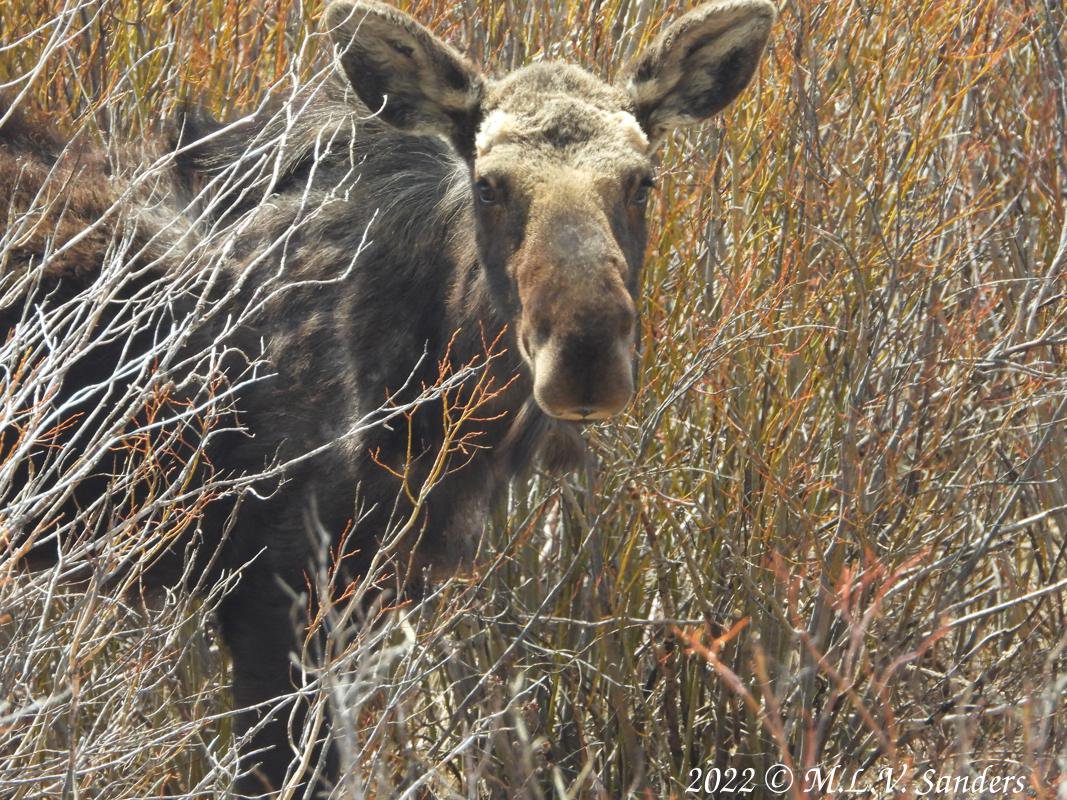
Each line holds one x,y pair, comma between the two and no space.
392,213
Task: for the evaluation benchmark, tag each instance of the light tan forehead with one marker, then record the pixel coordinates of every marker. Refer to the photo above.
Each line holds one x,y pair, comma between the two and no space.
562,135
559,114
563,126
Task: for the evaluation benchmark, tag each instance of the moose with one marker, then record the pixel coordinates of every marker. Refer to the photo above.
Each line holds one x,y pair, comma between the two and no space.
452,209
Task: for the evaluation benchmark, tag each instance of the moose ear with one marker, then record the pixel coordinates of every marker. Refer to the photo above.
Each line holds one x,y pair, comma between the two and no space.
404,73
699,64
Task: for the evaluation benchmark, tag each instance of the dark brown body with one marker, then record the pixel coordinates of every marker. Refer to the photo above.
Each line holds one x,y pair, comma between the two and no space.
339,351
497,231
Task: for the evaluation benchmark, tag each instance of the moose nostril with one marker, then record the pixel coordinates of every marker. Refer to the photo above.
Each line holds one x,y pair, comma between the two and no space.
541,333
583,412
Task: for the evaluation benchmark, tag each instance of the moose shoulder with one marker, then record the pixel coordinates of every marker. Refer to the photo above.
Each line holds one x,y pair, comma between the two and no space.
426,217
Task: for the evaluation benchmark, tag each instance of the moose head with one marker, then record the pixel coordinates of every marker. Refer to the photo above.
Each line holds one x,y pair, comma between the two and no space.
561,166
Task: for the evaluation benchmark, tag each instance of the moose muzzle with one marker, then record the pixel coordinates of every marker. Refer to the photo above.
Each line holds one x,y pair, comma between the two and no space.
578,326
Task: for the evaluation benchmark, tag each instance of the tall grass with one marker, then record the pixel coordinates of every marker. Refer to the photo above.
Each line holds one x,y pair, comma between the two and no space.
830,531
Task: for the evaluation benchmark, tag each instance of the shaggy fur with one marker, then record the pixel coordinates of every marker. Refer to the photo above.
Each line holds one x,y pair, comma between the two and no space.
511,208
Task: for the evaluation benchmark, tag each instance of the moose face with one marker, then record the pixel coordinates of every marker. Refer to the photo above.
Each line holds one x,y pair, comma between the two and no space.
561,168
561,177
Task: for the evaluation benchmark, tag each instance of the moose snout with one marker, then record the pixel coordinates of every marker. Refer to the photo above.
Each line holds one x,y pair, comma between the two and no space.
583,366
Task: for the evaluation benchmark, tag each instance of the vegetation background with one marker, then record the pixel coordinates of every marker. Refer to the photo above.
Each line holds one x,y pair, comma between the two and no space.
830,530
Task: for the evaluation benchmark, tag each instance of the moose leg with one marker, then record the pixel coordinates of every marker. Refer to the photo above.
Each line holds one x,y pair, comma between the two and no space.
260,629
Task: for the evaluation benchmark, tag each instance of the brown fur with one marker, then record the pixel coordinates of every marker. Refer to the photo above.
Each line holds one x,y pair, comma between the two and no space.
61,191
509,207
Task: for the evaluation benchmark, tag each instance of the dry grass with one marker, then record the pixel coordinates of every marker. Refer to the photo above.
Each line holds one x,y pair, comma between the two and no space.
830,531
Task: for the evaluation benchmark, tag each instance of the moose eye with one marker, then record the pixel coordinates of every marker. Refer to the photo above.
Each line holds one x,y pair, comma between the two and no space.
642,192
486,192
